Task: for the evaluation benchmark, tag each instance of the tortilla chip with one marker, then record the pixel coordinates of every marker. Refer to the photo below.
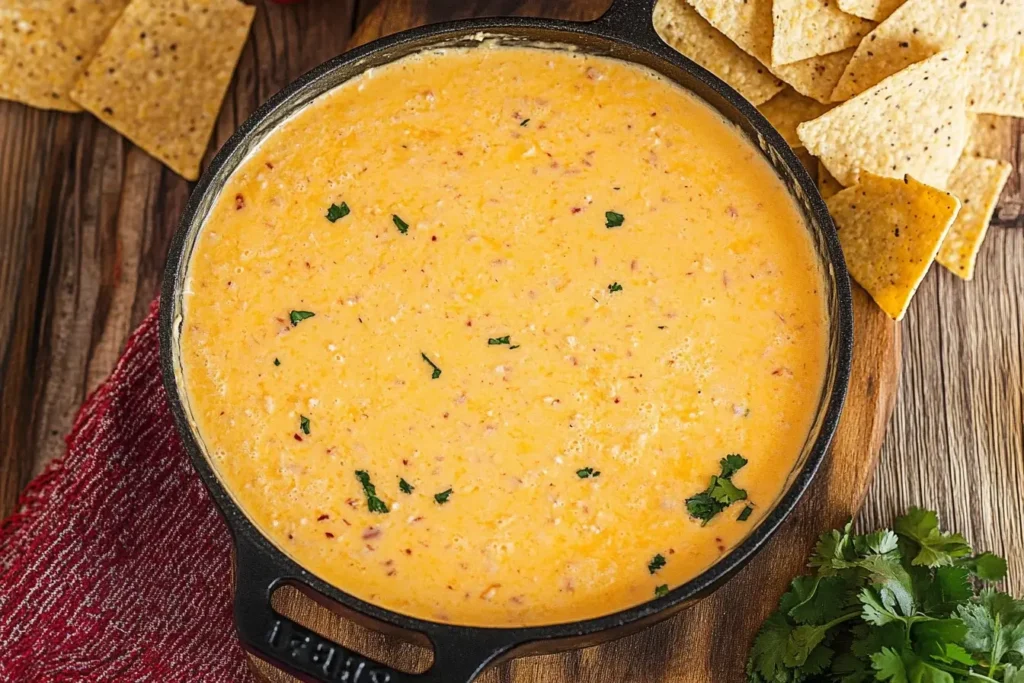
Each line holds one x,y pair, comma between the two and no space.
45,45
890,231
808,161
160,76
991,32
828,186
978,184
990,136
875,10
789,108
684,30
808,28
749,25
912,122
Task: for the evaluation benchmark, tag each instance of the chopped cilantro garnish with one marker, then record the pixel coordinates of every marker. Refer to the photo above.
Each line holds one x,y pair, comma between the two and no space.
373,503
615,287
402,226
277,362
298,316
404,486
514,346
661,590
524,122
587,473
304,424
745,514
613,220
495,341
720,493
656,563
337,211
442,497
437,370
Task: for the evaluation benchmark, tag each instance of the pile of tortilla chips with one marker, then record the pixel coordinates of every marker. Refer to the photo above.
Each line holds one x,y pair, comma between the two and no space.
154,70
894,105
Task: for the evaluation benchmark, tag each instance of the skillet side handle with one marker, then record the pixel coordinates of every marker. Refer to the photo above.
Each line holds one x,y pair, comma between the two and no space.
310,657
631,20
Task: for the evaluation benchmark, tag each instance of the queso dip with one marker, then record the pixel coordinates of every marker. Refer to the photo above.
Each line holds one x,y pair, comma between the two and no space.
464,335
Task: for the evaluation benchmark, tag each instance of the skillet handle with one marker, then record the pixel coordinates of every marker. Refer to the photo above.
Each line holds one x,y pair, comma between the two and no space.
310,657
629,19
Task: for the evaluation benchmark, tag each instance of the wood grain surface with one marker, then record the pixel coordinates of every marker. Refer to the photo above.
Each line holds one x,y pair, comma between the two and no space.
85,218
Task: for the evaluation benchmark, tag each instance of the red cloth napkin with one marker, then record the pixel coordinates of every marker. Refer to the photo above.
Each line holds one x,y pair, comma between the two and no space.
115,566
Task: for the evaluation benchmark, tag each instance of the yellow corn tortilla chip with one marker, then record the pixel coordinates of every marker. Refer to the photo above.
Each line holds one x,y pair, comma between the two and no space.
890,230
828,186
789,108
160,76
808,161
808,28
46,44
978,184
875,10
684,30
749,25
912,122
991,32
990,135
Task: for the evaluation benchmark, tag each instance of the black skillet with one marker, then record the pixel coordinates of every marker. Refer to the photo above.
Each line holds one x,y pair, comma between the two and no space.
461,653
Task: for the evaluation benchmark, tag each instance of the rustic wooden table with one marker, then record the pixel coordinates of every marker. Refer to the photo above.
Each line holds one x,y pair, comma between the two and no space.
85,219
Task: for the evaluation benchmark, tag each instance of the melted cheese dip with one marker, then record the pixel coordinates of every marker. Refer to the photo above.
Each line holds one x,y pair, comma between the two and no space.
553,293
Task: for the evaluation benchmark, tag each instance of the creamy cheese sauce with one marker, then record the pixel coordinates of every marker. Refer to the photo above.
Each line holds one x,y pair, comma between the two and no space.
553,292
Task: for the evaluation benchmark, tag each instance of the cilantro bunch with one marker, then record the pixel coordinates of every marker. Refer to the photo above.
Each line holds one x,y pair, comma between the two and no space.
904,607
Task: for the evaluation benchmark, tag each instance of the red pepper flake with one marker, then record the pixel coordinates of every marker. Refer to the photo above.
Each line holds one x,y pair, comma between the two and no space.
782,371
352,502
297,437
446,416
239,202
576,209
347,523
433,238
616,399
270,166
290,537
371,532
731,210
322,518
328,534
408,551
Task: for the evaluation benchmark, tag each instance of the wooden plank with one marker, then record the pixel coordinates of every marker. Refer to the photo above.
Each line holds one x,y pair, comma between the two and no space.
87,217
708,642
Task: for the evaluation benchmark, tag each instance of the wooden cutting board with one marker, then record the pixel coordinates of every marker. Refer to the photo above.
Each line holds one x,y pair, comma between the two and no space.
709,642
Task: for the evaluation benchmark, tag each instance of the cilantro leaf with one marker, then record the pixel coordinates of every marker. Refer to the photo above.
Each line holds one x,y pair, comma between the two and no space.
524,122
703,507
986,566
373,503
298,316
495,341
442,497
661,590
614,287
337,212
745,513
888,666
587,473
613,219
437,371
934,548
814,599
769,649
304,424
731,464
725,492
404,486
402,226
656,563
995,625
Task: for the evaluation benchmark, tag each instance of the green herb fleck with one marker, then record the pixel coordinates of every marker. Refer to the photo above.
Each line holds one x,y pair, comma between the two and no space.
720,493
661,590
442,497
404,486
373,503
298,316
656,563
337,212
524,122
437,370
277,362
495,341
745,513
615,287
587,473
514,346
613,220
402,226
304,424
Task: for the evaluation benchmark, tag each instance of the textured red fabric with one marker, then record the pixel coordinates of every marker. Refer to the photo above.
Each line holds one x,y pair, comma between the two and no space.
115,567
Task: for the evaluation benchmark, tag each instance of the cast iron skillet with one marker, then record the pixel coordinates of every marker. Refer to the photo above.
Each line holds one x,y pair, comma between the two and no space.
460,652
